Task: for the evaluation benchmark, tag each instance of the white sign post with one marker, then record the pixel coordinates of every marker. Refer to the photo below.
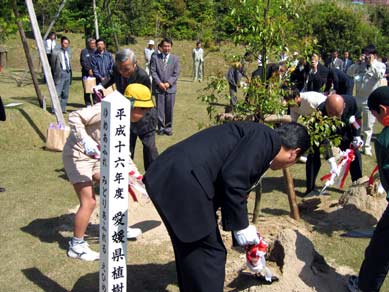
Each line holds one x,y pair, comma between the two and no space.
115,137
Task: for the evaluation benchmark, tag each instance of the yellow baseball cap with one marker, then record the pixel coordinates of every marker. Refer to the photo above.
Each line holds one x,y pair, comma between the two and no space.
139,94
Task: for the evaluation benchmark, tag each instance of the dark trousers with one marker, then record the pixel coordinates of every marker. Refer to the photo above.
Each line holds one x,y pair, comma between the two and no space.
313,165
375,266
150,152
165,104
63,89
201,264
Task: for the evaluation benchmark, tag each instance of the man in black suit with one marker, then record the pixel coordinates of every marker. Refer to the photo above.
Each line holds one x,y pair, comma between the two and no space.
342,107
340,82
216,168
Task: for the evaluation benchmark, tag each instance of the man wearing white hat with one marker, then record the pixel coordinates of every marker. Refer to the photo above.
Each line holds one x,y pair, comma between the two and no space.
149,50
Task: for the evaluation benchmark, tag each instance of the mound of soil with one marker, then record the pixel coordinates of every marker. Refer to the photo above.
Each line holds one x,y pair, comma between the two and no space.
292,257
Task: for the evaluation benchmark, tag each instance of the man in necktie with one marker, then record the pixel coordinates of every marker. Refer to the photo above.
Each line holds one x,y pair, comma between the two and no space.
62,72
165,70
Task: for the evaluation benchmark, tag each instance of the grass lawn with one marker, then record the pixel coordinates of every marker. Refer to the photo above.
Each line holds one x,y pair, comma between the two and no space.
33,251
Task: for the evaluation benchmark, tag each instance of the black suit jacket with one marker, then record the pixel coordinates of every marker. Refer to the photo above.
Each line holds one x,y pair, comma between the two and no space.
348,132
213,168
316,81
342,83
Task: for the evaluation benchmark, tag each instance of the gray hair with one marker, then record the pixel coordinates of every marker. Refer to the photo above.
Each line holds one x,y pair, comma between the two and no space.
90,40
124,55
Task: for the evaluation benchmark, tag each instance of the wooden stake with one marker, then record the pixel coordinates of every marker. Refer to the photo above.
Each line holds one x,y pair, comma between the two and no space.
294,211
45,63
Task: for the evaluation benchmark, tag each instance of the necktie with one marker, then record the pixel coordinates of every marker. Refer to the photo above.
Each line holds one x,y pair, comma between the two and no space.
66,61
164,61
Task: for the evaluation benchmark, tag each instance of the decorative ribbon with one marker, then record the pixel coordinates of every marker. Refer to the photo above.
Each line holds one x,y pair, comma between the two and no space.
344,166
371,177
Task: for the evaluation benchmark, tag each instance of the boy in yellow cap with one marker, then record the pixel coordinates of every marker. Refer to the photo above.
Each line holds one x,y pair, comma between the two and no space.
82,165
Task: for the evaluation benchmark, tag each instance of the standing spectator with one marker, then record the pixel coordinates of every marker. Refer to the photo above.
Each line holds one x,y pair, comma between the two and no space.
234,77
50,45
102,63
317,75
147,53
368,77
62,71
375,265
86,67
347,62
198,62
340,82
165,69
335,61
126,72
342,107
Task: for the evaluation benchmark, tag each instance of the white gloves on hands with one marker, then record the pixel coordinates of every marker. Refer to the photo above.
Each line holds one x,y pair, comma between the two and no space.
91,148
357,142
333,166
247,236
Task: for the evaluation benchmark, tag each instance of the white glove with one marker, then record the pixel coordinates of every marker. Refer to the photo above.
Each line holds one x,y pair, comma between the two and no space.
247,236
357,142
90,147
257,268
353,121
333,166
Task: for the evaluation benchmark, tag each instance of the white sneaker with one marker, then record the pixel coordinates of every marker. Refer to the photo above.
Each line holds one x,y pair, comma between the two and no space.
303,159
133,232
82,251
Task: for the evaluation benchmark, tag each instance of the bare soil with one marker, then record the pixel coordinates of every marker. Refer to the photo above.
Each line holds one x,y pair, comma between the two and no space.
291,257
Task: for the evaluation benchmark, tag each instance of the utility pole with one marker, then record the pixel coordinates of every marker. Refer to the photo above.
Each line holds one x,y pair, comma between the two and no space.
27,53
45,63
96,22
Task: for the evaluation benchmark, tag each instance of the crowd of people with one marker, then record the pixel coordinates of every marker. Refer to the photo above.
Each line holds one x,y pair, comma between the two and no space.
208,174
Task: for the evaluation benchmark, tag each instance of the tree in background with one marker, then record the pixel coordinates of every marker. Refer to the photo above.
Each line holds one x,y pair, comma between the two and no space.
7,20
337,27
264,28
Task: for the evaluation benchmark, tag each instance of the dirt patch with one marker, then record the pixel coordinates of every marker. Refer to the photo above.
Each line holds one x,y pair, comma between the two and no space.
143,216
355,209
292,256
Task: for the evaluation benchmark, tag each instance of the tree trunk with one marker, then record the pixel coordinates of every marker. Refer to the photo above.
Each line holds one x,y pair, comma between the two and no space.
54,19
27,53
